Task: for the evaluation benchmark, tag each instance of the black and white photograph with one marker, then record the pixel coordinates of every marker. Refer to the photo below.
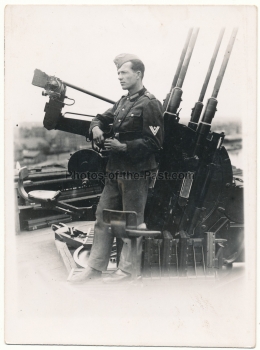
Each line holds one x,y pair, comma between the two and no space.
130,175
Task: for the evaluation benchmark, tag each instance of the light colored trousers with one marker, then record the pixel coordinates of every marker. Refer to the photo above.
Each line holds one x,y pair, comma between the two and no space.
120,194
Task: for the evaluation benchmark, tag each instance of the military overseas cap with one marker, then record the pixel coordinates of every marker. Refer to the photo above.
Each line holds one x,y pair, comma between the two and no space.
123,58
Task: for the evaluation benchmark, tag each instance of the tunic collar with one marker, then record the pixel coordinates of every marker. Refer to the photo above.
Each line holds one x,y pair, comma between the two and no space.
137,94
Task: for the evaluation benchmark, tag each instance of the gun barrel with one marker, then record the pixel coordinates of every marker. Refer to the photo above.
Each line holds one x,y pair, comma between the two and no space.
224,63
211,66
177,73
211,107
173,99
89,93
187,58
197,109
176,76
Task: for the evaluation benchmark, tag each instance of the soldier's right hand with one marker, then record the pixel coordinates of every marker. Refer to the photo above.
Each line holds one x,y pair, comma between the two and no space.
98,135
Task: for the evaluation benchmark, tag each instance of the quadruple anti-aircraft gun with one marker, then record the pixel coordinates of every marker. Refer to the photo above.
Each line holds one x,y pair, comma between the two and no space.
194,221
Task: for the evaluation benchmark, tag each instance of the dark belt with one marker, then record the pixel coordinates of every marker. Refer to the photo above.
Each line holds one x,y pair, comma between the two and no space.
128,136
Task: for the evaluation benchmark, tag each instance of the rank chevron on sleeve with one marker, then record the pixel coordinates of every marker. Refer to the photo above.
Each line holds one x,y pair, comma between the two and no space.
154,129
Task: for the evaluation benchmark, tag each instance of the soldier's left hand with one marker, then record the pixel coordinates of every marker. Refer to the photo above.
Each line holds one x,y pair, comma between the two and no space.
114,145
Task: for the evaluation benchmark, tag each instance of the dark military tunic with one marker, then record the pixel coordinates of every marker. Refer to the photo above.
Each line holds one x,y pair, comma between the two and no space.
138,122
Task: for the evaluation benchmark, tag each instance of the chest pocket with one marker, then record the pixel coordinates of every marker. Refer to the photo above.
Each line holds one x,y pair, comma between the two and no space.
136,121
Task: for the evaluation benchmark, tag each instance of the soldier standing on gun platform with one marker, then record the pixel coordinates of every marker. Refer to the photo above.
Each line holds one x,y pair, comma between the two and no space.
137,120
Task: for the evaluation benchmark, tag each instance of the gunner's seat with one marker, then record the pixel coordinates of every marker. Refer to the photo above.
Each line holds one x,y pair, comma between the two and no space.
44,195
35,196
49,199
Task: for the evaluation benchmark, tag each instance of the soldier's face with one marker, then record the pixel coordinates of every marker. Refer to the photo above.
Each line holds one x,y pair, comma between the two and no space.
127,77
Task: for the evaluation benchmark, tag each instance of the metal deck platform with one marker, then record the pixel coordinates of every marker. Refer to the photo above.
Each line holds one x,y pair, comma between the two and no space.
42,307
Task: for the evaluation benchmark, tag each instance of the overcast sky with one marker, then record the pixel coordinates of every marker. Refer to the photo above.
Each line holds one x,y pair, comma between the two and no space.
78,45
